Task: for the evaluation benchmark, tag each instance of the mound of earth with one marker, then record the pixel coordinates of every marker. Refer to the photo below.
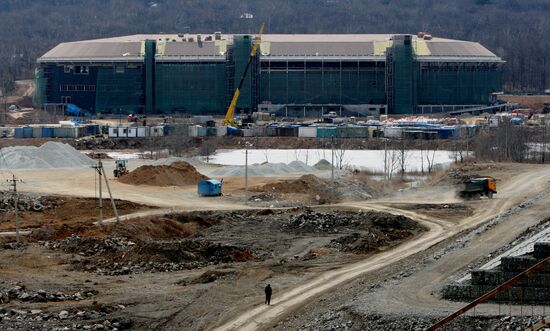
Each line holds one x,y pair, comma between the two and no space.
176,174
304,184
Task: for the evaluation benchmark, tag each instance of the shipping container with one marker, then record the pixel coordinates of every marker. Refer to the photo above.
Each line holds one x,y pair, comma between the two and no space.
271,131
168,129
142,131
352,132
201,131
18,132
260,131
37,132
47,132
81,131
123,132
65,132
132,132
248,132
393,132
447,132
156,131
193,131
92,130
307,131
211,132
287,131
27,132
326,132
113,132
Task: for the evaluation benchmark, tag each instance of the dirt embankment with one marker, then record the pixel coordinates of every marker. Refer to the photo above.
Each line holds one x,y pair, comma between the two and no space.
55,211
176,174
312,190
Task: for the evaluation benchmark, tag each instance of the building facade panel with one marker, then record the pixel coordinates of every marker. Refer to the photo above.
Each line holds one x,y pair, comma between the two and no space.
198,74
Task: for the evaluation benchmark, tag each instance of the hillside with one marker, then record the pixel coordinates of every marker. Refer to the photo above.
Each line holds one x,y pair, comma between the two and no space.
515,30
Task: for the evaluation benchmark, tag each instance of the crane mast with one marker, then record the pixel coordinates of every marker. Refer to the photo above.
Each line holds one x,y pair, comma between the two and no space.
230,115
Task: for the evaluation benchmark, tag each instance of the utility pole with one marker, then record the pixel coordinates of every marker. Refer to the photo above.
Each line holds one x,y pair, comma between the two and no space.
13,183
99,169
101,172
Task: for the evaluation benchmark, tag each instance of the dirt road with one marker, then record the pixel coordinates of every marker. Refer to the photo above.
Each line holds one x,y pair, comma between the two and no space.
511,193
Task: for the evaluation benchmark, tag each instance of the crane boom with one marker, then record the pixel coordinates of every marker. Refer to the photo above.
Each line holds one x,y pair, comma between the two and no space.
230,115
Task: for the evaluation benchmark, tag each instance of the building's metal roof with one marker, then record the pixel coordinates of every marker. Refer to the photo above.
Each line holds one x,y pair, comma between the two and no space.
318,48
457,48
94,50
274,46
193,49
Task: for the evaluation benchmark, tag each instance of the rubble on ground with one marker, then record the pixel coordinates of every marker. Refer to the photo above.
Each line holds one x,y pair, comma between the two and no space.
80,318
116,256
26,202
20,293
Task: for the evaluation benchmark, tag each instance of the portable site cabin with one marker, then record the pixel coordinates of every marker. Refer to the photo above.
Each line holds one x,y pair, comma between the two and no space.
209,188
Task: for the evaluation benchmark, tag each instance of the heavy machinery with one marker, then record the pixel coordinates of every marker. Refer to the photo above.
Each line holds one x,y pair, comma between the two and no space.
120,168
475,188
230,115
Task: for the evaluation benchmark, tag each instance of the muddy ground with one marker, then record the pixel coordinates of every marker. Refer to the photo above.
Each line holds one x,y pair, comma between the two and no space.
204,257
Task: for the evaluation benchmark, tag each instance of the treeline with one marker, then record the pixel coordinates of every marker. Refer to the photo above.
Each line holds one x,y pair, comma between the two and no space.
516,30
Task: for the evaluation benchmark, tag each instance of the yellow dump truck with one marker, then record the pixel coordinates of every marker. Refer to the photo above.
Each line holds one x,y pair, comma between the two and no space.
475,188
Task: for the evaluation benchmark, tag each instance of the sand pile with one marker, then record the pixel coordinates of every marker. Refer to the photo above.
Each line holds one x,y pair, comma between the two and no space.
304,184
176,174
48,156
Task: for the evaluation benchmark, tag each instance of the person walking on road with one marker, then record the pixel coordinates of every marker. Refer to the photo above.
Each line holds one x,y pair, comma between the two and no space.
268,292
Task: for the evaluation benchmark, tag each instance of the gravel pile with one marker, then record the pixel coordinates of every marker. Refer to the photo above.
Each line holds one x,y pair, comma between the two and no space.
262,170
323,165
51,155
25,202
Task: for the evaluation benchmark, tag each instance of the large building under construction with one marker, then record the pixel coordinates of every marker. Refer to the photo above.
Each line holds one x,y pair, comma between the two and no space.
295,74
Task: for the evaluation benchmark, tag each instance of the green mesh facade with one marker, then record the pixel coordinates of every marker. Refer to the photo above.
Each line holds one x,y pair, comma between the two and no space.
39,97
120,89
322,82
457,83
401,89
194,88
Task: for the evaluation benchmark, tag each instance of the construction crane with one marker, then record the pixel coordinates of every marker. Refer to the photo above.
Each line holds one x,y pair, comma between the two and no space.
230,115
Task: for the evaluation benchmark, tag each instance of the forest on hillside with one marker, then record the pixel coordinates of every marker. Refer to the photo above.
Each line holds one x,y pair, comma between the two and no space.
516,30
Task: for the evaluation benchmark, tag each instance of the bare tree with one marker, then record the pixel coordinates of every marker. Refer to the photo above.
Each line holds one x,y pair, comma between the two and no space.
403,156
431,147
340,151
208,147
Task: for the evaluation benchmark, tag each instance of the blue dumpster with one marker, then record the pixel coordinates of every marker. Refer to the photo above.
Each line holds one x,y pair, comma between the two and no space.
209,188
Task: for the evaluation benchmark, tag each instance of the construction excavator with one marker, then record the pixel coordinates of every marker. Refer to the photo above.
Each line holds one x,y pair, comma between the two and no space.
230,115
